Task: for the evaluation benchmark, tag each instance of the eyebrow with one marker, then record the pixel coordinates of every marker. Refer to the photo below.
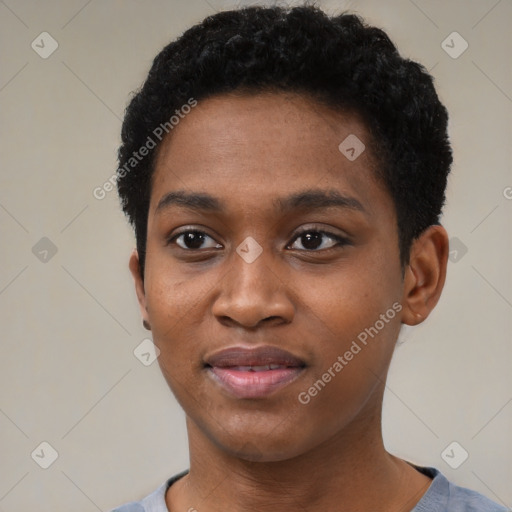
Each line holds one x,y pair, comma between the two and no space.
315,199
194,201
312,199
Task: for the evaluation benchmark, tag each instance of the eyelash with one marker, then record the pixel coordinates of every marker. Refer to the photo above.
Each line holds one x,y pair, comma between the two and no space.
340,240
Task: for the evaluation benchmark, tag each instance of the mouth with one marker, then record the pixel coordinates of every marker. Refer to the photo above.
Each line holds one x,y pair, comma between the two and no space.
253,372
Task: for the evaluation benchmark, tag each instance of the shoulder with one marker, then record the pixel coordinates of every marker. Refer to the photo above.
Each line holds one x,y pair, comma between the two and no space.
467,500
130,507
155,502
445,496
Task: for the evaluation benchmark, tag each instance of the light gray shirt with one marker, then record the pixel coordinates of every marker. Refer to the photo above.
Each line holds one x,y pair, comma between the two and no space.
441,496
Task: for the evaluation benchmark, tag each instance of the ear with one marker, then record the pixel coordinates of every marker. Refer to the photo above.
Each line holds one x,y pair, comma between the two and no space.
425,274
139,286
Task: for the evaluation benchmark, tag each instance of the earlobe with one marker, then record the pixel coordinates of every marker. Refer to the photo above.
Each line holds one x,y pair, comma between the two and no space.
134,266
425,275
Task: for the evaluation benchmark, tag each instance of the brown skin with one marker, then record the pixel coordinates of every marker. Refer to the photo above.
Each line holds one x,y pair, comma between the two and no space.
274,453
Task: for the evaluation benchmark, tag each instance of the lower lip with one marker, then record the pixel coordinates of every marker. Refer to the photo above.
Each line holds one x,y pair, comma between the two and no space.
246,384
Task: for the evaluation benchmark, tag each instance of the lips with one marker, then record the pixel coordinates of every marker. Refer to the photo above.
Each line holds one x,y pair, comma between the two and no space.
253,357
253,372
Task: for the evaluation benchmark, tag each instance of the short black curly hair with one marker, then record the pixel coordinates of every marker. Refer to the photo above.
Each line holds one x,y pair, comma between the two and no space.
339,61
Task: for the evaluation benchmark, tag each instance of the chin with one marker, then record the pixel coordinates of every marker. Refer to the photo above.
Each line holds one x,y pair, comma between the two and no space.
263,447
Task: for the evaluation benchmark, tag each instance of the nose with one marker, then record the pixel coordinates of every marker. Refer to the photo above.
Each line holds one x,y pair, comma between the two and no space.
252,294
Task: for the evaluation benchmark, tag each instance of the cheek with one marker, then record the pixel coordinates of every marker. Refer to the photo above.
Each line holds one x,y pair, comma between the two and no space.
358,332
169,301
171,295
353,298
356,315
180,322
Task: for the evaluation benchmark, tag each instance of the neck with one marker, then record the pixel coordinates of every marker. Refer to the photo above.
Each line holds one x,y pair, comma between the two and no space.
352,468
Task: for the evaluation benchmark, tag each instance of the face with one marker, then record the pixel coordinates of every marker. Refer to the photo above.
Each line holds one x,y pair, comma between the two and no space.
264,239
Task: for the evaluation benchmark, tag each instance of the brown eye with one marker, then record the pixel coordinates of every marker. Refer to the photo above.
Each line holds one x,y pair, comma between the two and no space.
313,240
194,240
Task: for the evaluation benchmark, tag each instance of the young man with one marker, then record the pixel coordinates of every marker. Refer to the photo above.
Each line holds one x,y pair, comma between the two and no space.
285,173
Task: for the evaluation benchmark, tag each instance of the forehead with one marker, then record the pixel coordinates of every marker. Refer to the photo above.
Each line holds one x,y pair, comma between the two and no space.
257,146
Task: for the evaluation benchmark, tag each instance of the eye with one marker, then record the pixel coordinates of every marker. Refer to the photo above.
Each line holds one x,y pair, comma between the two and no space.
194,240
313,240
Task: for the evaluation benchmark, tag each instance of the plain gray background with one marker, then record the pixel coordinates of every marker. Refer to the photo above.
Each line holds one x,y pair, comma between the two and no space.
70,322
